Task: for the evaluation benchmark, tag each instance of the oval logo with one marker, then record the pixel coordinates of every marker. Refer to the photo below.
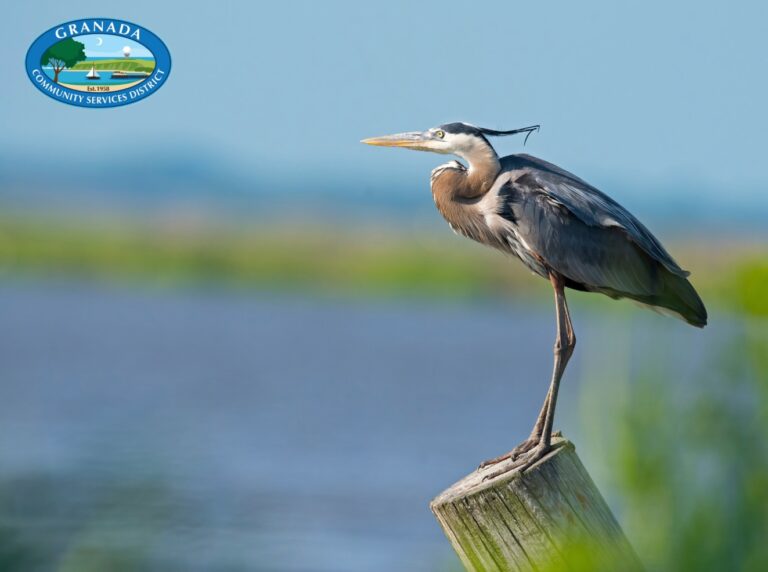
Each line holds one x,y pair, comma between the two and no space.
98,62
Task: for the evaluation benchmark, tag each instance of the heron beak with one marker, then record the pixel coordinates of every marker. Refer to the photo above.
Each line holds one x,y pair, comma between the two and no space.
410,140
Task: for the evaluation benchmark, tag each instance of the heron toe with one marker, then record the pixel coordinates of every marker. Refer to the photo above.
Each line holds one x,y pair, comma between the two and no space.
523,447
522,462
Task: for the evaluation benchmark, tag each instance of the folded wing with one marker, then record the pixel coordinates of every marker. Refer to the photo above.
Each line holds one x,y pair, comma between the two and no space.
591,240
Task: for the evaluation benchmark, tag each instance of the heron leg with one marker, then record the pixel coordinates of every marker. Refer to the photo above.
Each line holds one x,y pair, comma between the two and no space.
530,442
539,427
540,441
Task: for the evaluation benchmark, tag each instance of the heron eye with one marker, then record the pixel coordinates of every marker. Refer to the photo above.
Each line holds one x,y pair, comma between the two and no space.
440,134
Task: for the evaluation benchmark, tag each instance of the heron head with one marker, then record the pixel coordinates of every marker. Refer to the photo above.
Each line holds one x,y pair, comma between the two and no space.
460,139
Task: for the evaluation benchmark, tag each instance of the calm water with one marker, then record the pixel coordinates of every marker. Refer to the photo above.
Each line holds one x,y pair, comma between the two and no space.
215,431
77,77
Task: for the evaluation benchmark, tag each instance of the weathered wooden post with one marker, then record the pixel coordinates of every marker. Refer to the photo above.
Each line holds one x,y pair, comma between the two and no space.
550,517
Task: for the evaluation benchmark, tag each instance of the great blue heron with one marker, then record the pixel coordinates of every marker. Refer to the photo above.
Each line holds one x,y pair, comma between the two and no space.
561,228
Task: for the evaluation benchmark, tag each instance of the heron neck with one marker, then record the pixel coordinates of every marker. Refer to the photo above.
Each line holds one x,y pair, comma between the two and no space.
483,168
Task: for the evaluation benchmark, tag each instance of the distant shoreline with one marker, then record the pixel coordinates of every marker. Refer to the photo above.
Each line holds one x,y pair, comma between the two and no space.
111,70
114,64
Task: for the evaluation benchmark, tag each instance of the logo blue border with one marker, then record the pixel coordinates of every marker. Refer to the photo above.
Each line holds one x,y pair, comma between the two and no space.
148,39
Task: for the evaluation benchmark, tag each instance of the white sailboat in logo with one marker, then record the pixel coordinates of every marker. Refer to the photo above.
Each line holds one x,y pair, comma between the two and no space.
93,74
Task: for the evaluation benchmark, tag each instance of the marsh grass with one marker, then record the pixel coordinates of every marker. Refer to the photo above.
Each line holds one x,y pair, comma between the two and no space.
687,459
326,260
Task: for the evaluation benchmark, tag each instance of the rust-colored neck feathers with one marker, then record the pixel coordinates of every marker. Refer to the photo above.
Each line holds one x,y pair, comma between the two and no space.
457,190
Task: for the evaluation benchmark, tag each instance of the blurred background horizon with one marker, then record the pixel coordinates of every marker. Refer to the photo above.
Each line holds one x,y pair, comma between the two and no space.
234,338
665,114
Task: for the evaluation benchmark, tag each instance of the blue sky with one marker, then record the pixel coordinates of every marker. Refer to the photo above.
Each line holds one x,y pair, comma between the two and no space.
106,46
651,95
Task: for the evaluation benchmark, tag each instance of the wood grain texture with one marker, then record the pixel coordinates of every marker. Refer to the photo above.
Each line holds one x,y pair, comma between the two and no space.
550,517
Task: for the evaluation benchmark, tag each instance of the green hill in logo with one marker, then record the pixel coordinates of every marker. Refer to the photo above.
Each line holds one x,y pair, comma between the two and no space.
116,64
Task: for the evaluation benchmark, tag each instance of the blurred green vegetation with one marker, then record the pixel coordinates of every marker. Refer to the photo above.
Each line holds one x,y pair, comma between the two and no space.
65,522
378,262
301,258
686,459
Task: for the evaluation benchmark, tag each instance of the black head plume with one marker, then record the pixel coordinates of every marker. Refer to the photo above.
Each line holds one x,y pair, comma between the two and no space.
482,131
495,133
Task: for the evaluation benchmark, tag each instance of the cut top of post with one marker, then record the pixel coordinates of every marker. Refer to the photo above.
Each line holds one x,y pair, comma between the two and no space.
549,516
475,481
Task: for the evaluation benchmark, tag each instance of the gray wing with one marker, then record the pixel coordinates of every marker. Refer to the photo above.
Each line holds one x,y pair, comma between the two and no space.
588,204
591,240
596,258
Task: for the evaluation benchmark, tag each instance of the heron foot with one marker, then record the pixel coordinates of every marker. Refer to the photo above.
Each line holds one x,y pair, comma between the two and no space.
522,462
522,448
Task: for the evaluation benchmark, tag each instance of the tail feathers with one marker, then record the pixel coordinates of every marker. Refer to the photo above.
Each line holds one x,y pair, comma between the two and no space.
678,296
673,295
